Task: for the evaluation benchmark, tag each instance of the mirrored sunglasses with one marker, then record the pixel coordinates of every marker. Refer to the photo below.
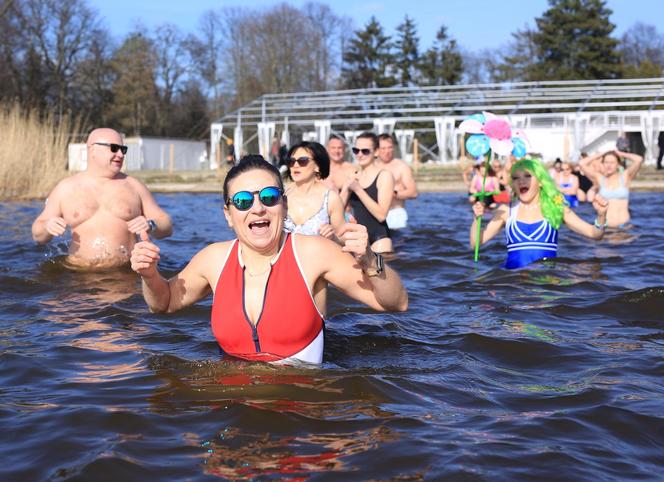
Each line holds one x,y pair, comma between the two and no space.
268,196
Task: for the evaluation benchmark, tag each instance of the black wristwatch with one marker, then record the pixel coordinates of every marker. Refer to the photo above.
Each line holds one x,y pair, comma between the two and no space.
152,224
380,266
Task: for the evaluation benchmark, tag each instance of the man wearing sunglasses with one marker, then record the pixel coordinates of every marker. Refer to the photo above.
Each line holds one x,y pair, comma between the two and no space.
404,182
104,208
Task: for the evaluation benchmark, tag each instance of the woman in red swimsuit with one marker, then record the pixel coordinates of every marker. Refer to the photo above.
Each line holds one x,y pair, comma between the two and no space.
270,286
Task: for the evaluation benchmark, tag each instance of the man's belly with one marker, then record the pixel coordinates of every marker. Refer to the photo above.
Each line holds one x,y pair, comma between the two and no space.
103,241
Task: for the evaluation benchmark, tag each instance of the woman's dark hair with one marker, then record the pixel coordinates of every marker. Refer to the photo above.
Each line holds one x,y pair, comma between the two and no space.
370,135
249,163
318,153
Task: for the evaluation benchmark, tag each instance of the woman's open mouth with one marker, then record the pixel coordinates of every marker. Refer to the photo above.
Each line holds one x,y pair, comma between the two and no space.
259,227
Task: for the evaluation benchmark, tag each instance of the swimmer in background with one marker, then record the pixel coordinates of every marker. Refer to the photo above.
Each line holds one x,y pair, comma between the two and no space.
340,169
478,181
568,184
313,208
104,208
370,193
614,182
531,225
587,190
503,175
404,182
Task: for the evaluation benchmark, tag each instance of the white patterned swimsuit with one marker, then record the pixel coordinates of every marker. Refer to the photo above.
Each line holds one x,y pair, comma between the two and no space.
313,224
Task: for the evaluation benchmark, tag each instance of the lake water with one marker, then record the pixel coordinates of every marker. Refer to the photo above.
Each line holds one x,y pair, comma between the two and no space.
551,372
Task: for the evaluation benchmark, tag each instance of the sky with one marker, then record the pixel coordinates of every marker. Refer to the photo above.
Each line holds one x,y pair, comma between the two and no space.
476,24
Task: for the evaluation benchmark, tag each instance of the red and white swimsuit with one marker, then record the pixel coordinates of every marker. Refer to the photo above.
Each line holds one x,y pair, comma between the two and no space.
289,326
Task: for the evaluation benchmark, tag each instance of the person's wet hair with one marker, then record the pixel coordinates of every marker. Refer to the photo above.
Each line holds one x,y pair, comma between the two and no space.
249,163
385,137
370,135
318,153
614,154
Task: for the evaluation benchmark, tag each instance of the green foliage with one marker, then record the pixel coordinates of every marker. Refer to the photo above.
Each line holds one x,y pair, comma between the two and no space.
368,59
134,89
442,64
406,53
573,41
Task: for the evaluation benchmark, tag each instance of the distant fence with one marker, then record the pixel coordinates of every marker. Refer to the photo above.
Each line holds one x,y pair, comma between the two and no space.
151,153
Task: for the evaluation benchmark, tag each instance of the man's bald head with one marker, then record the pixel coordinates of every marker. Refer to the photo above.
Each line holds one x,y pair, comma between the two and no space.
104,134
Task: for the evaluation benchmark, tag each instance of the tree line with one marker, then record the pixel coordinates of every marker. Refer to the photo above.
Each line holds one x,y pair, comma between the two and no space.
56,56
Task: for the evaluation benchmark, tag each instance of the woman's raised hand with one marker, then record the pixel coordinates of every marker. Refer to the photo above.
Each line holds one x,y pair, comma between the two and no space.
144,256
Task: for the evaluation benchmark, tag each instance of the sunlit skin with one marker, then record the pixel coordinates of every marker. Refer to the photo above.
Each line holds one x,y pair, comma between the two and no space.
307,192
609,174
260,235
104,208
340,170
362,180
527,189
404,182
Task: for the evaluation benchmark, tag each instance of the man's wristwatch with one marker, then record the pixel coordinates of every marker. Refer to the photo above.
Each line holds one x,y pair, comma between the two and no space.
152,225
380,266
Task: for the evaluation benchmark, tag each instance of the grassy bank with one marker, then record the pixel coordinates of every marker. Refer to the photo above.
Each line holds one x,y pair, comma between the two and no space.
33,154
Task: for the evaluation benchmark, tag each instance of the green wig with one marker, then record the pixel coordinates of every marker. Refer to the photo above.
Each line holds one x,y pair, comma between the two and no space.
551,200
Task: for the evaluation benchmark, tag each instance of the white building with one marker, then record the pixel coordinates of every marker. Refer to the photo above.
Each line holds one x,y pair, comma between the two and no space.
560,118
151,153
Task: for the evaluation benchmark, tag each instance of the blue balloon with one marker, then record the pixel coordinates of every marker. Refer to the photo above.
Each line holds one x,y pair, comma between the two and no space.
478,117
477,145
519,149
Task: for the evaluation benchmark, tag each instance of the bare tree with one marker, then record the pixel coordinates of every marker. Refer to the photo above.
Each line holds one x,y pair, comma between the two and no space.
60,32
642,49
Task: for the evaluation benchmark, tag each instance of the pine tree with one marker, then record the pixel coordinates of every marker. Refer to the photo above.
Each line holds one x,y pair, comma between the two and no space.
134,90
367,60
406,54
442,64
573,41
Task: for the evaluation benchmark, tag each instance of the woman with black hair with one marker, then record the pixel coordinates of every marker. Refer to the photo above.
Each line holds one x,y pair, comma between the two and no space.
270,286
314,208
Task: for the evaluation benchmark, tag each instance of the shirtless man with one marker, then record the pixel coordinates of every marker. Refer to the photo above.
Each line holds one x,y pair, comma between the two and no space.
340,170
404,182
104,208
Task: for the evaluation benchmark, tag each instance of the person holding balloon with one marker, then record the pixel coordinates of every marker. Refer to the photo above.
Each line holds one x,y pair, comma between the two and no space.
532,223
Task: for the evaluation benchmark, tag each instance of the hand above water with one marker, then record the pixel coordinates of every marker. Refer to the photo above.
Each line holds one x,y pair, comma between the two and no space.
355,240
478,209
138,225
326,230
145,256
601,206
56,226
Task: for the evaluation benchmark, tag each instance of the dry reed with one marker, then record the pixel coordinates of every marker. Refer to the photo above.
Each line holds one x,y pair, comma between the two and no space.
33,152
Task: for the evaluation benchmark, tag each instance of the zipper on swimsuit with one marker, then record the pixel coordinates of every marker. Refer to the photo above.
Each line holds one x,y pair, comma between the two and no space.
254,328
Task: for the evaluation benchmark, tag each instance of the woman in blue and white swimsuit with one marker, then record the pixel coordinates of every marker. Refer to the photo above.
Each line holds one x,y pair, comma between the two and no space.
532,223
613,182
313,208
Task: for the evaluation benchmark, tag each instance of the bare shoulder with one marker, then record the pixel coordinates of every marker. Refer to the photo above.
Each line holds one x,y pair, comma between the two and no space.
402,165
136,183
349,167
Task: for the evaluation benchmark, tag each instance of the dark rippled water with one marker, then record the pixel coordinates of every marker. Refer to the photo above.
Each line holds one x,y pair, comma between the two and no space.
553,372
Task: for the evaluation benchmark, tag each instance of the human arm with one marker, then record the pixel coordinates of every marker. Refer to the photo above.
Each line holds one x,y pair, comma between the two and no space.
50,222
408,189
346,268
335,211
163,226
634,166
385,187
491,228
183,289
587,164
578,225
